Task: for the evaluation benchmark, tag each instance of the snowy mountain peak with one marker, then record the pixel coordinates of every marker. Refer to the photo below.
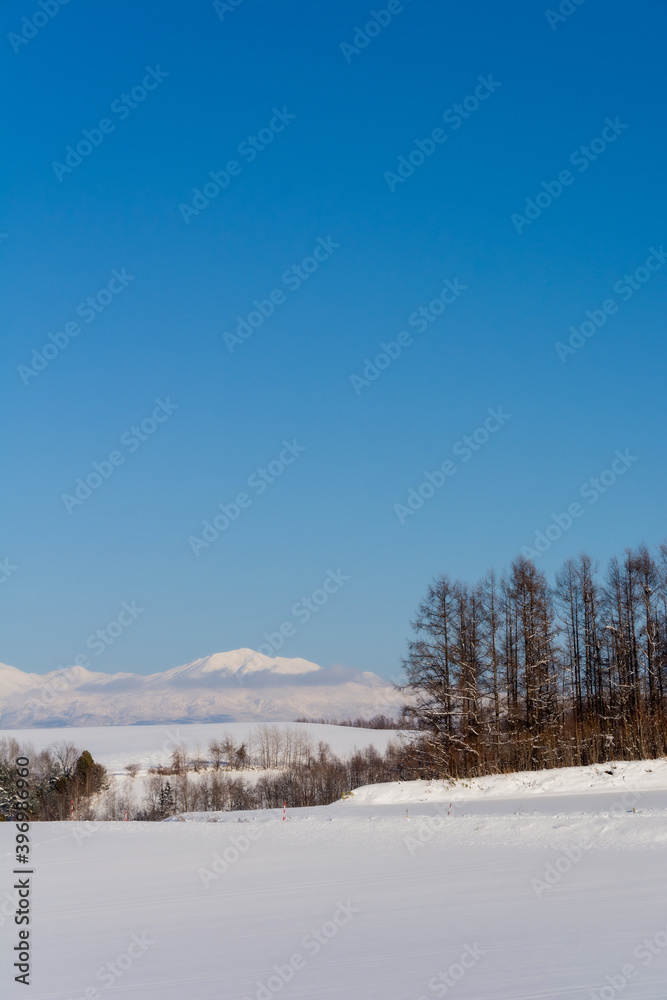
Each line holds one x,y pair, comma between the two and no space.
241,662
240,684
248,661
13,681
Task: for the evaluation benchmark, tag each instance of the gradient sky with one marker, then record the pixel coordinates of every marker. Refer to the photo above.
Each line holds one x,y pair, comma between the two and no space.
323,176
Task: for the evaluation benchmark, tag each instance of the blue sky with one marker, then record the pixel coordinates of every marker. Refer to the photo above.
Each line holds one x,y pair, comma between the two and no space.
332,123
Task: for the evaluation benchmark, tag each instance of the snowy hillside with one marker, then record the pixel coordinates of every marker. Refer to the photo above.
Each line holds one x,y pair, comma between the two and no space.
529,787
543,885
240,685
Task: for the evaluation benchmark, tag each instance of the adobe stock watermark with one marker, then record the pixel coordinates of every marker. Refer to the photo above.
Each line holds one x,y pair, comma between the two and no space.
223,7
312,943
565,9
122,107
130,440
454,117
97,642
292,278
426,828
172,740
419,320
31,26
83,829
571,856
259,481
465,448
378,20
446,980
645,953
7,569
249,149
9,906
555,870
303,611
581,158
625,288
220,864
112,971
591,491
88,310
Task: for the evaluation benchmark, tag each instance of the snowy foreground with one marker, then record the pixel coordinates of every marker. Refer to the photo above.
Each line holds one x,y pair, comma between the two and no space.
536,885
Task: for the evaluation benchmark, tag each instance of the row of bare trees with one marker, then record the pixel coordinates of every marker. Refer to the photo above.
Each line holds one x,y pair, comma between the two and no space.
513,674
379,721
317,779
268,746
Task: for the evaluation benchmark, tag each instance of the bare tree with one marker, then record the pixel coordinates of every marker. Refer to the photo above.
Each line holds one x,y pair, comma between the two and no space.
66,756
216,753
511,674
228,747
179,758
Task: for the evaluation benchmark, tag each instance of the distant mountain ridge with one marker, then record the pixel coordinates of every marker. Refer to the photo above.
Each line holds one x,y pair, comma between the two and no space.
237,686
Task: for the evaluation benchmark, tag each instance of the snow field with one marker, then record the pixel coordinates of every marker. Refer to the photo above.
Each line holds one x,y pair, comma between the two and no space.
558,893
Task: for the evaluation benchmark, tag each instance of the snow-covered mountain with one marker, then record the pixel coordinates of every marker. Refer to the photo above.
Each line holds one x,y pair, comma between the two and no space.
241,686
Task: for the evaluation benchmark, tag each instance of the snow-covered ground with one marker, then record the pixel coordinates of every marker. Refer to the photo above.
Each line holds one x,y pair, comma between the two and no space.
538,885
527,786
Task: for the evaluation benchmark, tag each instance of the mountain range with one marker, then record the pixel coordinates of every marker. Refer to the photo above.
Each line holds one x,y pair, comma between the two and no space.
238,686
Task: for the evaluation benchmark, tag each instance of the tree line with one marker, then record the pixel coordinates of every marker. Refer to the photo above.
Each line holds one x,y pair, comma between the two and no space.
318,779
379,721
512,673
62,781
66,783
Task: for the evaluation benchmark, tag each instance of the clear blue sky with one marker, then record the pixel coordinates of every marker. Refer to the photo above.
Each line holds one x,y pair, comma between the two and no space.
219,77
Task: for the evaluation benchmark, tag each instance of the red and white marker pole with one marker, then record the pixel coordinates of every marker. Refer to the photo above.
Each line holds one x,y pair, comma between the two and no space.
126,815
284,810
450,809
